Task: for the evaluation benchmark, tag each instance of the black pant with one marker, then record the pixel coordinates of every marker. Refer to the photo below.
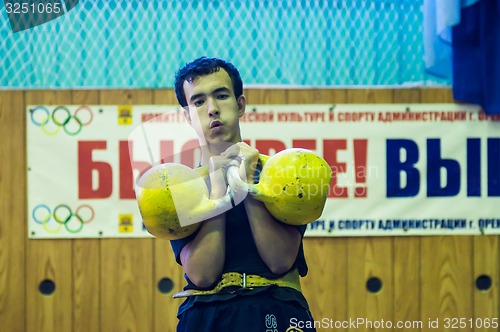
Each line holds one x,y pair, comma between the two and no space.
255,313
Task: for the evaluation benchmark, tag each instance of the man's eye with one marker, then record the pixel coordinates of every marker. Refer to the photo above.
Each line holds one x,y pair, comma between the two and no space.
223,96
198,103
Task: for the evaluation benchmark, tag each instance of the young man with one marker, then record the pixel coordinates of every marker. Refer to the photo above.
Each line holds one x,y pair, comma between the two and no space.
242,266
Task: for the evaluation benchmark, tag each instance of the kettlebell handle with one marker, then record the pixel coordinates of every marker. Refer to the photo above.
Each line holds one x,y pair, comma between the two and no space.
203,171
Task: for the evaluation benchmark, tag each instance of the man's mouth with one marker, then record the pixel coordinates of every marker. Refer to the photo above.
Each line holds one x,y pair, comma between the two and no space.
215,124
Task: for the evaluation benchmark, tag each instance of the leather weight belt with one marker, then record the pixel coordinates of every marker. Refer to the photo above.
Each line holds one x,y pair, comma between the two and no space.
246,281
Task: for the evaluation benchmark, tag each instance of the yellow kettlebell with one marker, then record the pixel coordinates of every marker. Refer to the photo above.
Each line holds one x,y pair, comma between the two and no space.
294,185
173,199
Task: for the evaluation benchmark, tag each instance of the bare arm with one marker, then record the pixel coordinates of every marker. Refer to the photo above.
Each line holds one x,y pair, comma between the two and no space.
277,243
203,258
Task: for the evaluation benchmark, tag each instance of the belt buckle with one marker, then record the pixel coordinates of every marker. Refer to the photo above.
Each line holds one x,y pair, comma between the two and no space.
244,281
243,277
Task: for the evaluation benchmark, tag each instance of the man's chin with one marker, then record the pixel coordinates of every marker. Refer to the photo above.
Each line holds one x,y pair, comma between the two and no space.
220,144
216,138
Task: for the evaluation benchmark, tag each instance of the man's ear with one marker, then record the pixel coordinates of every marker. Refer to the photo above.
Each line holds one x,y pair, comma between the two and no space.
242,104
187,116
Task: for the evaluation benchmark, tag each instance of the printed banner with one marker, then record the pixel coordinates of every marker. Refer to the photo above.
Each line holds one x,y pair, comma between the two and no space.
400,169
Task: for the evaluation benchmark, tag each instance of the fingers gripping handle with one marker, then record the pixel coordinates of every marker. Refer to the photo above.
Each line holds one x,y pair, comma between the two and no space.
239,188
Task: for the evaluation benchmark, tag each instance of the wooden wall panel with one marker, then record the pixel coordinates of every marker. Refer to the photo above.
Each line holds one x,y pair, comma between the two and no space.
407,281
49,260
12,211
371,96
436,95
406,96
87,292
165,267
316,96
126,264
447,278
369,258
86,259
265,96
325,286
486,264
164,97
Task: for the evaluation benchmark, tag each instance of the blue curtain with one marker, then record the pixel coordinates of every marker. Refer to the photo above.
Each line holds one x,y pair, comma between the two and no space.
439,17
476,56
462,45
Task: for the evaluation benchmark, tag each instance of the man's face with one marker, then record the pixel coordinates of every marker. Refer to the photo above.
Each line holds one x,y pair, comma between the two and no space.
214,111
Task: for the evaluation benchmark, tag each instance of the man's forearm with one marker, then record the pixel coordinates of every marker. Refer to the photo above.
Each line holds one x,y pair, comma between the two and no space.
203,257
277,243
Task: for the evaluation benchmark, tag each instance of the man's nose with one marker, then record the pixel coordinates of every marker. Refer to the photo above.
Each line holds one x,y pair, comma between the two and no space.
213,108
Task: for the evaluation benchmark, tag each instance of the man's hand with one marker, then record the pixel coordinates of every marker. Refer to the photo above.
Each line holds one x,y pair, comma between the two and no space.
217,175
248,156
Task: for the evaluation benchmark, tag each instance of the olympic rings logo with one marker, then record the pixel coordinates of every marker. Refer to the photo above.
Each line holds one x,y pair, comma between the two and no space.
61,117
63,216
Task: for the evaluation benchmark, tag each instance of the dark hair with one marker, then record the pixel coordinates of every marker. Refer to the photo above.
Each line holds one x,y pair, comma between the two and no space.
205,66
